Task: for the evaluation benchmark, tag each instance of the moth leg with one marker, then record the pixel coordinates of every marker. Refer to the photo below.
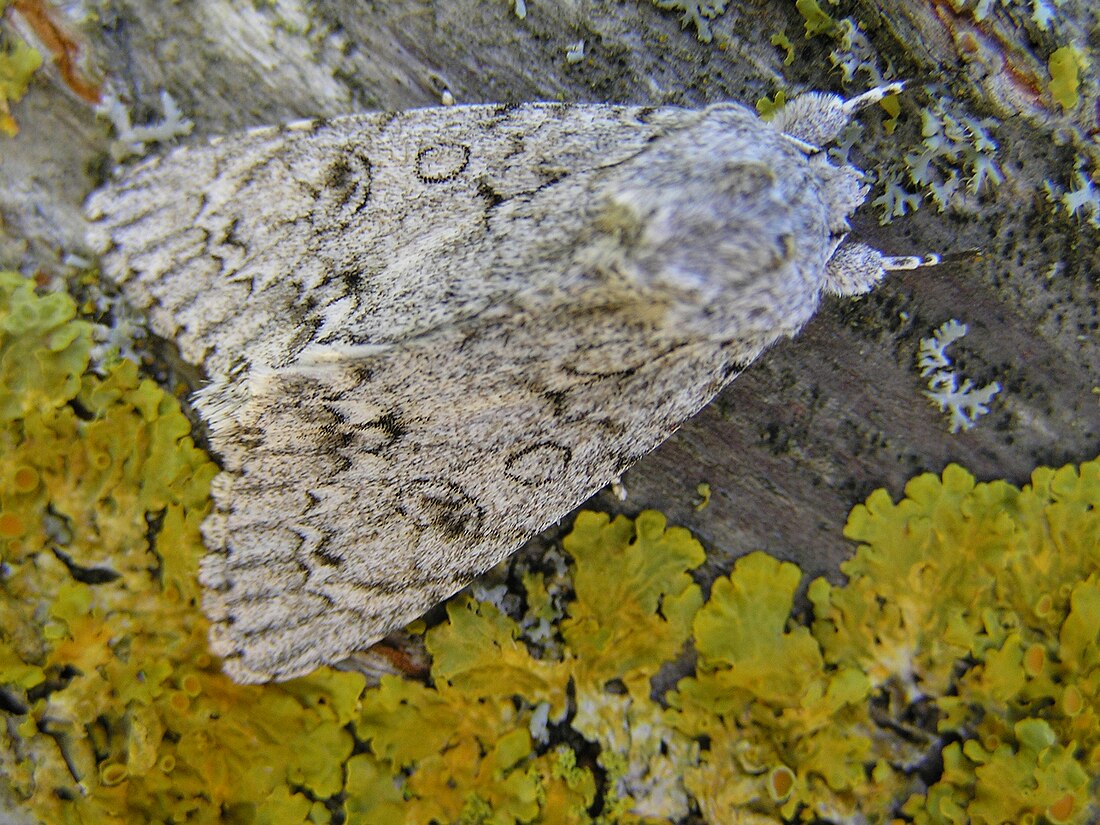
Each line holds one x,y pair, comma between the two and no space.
856,267
618,489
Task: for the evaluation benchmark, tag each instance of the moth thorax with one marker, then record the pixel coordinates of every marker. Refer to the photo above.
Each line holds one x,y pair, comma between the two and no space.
687,264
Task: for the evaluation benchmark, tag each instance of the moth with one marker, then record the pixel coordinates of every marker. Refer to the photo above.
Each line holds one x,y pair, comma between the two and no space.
429,334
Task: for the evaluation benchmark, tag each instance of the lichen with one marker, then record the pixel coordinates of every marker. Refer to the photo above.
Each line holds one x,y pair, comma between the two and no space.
975,607
814,18
53,29
631,612
969,630
786,737
1064,65
892,106
116,711
779,721
1042,13
956,163
703,491
855,55
959,156
43,350
1081,199
766,107
697,13
964,403
130,140
18,62
895,201
781,41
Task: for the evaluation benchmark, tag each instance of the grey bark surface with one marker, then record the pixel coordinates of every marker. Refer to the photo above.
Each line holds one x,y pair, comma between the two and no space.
817,423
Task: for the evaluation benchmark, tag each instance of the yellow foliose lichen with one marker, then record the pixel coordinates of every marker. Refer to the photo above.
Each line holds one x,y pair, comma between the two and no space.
634,600
767,107
787,736
815,19
977,607
971,616
633,610
476,747
17,63
1065,65
117,714
43,349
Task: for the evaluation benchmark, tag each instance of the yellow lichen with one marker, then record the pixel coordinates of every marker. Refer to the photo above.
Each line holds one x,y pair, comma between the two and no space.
971,615
891,104
766,107
704,493
43,351
815,19
766,701
474,729
1065,65
983,600
118,713
783,42
17,63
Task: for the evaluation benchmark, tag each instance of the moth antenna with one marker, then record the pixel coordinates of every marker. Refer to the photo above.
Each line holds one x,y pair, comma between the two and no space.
872,96
894,263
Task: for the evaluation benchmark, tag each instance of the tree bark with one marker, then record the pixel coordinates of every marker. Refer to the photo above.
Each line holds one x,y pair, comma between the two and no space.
814,425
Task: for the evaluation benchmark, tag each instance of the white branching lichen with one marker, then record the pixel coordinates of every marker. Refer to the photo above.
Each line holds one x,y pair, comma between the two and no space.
117,339
133,140
932,357
895,201
1081,199
855,54
698,13
963,403
1042,11
957,162
842,146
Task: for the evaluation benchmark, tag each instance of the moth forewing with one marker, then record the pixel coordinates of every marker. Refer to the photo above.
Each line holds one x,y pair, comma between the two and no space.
430,334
